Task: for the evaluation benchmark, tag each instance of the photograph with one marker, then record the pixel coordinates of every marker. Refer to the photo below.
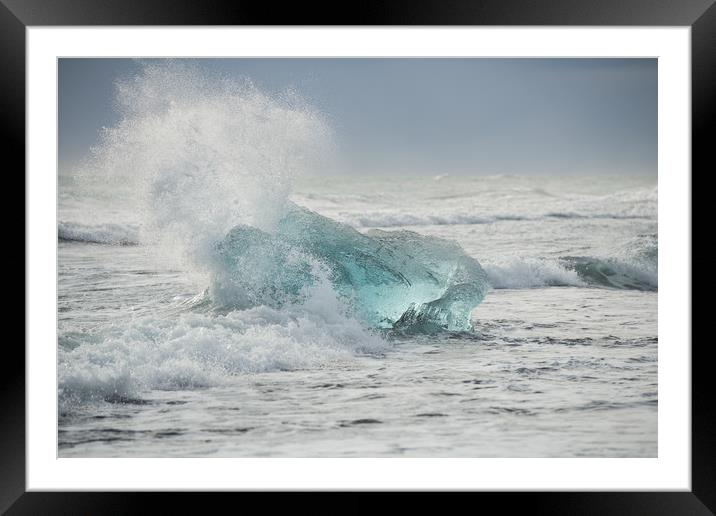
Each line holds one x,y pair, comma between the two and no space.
357,257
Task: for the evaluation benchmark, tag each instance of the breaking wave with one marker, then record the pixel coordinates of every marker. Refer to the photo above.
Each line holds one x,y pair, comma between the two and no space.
517,273
110,234
633,266
197,349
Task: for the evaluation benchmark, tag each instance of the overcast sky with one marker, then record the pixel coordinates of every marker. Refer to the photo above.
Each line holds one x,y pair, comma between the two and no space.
432,116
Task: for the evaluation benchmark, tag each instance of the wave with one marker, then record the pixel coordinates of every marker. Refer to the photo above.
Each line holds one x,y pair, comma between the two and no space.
638,196
386,220
196,350
389,219
613,273
633,266
518,273
577,215
119,234
109,234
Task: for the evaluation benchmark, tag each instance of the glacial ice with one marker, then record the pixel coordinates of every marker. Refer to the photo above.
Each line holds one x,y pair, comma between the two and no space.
389,279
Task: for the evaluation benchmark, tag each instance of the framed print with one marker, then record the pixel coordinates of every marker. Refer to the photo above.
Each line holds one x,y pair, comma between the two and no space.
416,253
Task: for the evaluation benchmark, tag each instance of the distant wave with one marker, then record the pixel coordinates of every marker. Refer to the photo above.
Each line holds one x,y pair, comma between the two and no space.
384,220
632,267
575,215
387,219
642,195
517,273
108,234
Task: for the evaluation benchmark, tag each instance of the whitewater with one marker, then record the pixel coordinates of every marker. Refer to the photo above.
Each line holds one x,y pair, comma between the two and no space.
223,291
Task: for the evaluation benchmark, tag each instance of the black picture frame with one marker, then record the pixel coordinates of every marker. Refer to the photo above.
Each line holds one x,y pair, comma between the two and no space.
16,15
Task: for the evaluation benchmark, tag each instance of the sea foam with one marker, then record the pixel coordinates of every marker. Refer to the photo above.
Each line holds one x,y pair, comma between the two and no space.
195,349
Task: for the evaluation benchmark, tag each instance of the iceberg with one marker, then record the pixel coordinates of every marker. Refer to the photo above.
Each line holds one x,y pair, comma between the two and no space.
390,279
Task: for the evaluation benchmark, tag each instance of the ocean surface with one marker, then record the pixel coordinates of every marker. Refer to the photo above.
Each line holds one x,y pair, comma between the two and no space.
558,360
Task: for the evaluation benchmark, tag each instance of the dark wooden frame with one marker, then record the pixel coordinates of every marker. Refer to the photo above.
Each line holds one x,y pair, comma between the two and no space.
15,15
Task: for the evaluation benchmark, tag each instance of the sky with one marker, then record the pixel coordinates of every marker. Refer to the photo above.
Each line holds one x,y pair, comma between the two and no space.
429,116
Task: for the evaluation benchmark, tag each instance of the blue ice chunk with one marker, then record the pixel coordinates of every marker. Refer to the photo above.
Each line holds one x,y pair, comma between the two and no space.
390,279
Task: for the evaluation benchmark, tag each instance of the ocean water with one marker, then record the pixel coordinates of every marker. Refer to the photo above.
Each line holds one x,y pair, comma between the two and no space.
561,361
222,292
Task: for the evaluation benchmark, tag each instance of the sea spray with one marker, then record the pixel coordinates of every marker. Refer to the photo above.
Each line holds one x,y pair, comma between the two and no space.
205,152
